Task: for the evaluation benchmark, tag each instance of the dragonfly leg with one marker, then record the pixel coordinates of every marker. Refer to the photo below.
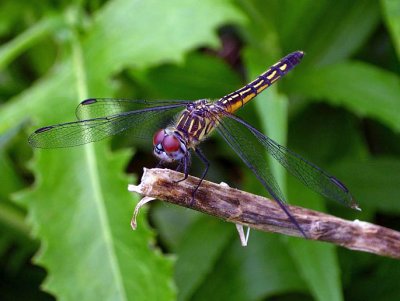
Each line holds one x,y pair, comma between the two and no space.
160,164
181,166
185,164
203,158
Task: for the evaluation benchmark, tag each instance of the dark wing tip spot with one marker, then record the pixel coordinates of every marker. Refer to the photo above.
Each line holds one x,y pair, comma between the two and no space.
88,101
43,129
339,184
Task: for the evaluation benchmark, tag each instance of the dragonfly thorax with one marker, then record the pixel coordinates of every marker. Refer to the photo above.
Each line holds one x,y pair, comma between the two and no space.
169,145
197,121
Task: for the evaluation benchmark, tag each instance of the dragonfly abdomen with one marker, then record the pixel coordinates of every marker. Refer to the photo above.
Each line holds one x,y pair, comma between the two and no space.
239,98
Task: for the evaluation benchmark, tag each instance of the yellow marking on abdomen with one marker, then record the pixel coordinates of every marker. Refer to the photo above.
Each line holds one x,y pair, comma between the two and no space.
283,67
272,75
239,98
241,101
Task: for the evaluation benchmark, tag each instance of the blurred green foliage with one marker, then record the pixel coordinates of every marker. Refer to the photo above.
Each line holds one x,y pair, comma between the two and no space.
65,214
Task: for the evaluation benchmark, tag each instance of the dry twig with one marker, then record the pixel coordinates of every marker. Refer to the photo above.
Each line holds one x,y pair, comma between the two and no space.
257,212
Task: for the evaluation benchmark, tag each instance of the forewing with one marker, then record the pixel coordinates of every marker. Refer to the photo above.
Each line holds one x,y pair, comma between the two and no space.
141,123
105,107
308,173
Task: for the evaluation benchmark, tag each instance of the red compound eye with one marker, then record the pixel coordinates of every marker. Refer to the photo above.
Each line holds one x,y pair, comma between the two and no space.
158,137
171,144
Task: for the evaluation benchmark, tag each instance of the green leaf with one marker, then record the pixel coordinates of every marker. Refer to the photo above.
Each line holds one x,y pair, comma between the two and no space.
196,255
316,261
371,183
361,88
385,271
335,30
337,139
10,215
264,268
27,39
153,32
329,31
172,223
196,79
87,243
391,13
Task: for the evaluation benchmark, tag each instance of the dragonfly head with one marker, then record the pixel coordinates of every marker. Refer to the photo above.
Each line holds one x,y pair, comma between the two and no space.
168,145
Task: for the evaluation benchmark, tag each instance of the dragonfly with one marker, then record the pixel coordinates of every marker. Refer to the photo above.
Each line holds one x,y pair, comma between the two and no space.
176,139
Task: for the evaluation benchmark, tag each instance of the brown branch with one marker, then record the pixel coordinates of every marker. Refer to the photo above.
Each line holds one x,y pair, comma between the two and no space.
257,212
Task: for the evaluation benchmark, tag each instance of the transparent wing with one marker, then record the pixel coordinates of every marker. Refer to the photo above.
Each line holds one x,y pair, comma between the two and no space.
141,123
103,107
246,140
239,136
